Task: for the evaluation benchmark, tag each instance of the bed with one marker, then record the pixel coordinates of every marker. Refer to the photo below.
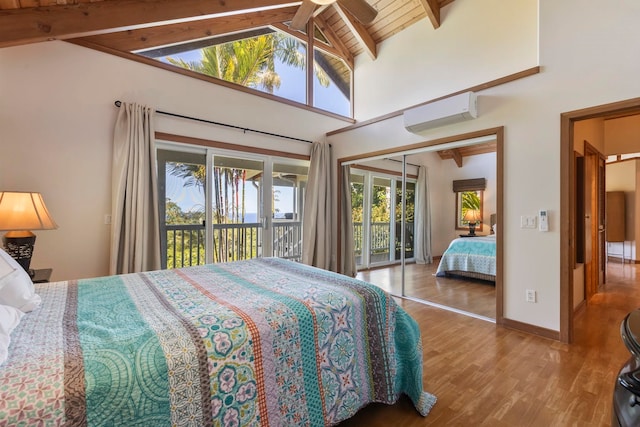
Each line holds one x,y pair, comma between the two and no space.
473,257
257,342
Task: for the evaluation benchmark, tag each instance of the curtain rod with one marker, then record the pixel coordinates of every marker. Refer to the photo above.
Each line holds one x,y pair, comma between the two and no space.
245,130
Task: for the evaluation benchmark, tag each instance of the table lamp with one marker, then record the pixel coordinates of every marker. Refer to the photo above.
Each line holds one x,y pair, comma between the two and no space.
21,212
472,217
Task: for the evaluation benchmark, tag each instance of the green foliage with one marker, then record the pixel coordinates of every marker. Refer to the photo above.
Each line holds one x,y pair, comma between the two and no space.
470,200
175,215
251,62
184,247
411,198
357,200
381,205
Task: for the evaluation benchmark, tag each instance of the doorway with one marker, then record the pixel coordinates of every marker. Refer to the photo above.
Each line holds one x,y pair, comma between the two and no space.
571,200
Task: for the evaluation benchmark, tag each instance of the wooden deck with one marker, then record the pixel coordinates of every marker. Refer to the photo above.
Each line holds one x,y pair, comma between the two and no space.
484,375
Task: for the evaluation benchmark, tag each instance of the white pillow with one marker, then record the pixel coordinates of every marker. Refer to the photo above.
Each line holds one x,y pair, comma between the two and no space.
494,227
16,288
9,319
5,268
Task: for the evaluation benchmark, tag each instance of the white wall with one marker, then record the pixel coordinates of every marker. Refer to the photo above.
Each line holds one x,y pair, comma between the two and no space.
56,119
56,127
586,60
478,41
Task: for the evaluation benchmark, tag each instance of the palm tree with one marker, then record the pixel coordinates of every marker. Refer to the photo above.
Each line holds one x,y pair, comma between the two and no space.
251,62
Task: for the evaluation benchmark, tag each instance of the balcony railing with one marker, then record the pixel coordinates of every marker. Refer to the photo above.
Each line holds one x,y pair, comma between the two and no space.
380,241
185,244
287,240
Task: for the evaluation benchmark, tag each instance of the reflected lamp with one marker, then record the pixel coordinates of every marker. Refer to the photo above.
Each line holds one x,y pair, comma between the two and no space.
21,212
472,217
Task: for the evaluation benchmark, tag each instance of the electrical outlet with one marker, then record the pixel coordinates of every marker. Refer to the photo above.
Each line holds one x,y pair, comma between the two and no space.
107,219
531,295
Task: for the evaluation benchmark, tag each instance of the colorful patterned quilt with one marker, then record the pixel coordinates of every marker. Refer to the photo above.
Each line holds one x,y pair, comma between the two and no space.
263,342
471,255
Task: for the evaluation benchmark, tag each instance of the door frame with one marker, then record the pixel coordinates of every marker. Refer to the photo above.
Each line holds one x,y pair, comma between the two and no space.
568,200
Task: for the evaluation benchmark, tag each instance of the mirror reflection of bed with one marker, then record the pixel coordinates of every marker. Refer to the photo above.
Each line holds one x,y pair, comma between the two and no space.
458,292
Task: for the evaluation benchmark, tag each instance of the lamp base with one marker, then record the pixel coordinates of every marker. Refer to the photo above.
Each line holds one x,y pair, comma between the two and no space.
20,249
472,229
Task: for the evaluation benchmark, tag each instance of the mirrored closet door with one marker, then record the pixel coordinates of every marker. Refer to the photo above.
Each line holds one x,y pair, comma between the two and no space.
388,212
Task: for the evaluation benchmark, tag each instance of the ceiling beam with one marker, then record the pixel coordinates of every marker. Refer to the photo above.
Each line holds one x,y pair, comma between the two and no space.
358,30
457,157
146,38
432,8
30,25
334,40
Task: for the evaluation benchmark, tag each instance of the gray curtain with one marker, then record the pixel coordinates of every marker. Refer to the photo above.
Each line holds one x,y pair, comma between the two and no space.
135,236
422,215
348,261
316,223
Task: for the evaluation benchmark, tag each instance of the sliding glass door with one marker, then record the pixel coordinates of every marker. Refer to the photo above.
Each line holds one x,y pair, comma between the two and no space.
181,207
237,208
253,204
409,225
376,202
380,231
289,183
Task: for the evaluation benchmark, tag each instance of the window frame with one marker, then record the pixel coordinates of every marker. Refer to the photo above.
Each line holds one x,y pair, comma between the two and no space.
461,186
312,43
461,224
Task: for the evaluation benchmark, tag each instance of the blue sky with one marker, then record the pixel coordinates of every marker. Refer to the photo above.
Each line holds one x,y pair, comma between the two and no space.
192,199
293,85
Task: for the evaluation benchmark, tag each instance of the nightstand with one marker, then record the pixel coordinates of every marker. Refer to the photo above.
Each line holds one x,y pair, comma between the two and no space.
471,235
42,275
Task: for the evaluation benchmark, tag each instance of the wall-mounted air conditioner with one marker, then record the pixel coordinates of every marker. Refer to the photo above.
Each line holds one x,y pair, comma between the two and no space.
442,112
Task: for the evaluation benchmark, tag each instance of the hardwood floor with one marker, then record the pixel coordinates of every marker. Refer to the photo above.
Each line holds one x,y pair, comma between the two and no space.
484,375
473,296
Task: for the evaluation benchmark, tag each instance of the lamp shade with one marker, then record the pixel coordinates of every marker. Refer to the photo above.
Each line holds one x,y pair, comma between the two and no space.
24,211
471,215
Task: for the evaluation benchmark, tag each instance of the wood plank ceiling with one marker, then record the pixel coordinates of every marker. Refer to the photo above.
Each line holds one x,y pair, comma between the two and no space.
129,25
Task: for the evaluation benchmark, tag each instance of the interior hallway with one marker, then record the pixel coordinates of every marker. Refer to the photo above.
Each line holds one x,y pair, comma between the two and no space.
485,375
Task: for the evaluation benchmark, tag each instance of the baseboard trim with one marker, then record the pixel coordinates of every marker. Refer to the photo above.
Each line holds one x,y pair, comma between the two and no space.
530,329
